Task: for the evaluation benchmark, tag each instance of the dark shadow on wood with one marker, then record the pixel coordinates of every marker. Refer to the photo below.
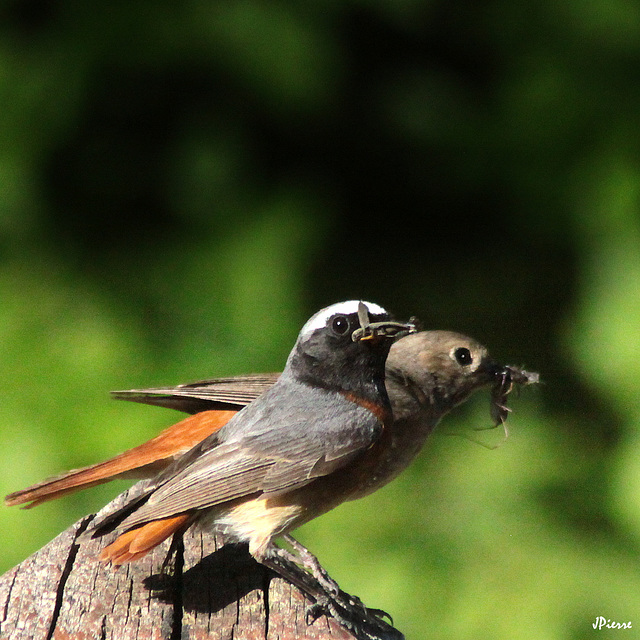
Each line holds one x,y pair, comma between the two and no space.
228,574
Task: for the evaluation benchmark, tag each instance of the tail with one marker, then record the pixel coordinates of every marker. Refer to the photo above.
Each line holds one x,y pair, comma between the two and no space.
137,542
140,462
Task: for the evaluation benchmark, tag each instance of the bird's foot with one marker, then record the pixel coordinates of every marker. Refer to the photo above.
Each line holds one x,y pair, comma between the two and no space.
349,611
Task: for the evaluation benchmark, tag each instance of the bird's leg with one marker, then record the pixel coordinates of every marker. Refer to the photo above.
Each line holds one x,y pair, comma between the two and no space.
330,590
305,558
283,563
278,560
366,624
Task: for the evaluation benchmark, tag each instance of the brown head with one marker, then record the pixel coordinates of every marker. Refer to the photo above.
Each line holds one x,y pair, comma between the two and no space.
430,372
436,369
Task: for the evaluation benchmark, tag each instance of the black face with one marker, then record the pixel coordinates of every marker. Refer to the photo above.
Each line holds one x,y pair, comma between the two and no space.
327,354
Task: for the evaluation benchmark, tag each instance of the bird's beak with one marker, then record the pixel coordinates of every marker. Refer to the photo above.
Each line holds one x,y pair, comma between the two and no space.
504,379
387,329
507,376
375,330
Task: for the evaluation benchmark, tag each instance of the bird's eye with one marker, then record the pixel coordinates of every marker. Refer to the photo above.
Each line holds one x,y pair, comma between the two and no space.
463,356
340,325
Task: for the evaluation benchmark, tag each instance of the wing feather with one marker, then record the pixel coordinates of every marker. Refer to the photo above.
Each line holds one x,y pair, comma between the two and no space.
274,445
199,396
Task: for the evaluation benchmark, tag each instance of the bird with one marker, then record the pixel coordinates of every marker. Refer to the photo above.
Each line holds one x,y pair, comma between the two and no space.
321,433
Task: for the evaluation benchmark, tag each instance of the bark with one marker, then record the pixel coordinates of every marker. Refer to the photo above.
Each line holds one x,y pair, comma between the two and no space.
207,590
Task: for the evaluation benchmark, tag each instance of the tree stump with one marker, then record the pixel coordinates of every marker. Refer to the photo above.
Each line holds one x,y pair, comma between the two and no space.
208,590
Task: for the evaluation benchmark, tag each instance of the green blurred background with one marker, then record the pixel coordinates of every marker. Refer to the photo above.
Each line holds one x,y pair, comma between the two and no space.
183,183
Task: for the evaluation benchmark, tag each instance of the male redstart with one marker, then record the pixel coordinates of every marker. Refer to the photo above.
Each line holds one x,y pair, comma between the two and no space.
307,444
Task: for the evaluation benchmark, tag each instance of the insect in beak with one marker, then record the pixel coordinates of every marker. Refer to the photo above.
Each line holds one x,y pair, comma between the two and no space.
372,330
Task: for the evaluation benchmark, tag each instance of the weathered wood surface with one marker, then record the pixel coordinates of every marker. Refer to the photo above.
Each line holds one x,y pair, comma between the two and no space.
207,591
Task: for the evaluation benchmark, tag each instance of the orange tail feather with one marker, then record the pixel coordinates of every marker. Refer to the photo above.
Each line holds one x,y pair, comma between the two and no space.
136,543
142,462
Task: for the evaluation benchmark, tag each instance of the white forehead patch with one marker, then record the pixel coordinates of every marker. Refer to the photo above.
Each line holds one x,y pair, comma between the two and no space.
319,320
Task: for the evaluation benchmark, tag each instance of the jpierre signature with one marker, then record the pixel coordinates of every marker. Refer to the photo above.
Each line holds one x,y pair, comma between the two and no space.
603,623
